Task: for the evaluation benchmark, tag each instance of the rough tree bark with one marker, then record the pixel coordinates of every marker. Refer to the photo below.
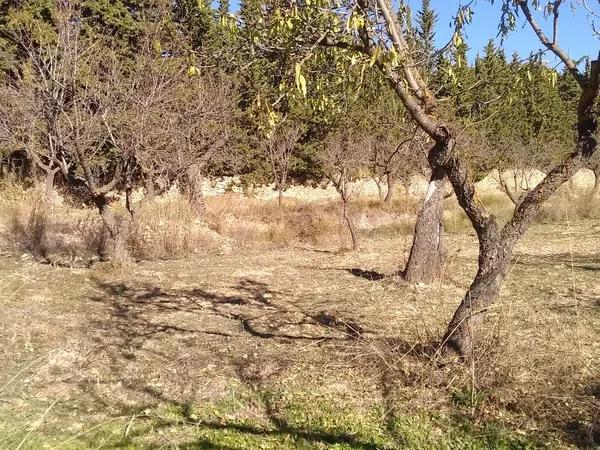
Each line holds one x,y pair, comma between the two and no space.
391,183
351,227
596,188
196,190
116,247
427,255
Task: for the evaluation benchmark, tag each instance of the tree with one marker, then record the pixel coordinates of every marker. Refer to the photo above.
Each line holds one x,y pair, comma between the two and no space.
343,157
392,56
426,21
26,122
393,142
279,148
205,117
594,166
35,92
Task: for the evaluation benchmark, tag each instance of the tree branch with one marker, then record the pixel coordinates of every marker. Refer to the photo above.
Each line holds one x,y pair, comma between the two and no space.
552,46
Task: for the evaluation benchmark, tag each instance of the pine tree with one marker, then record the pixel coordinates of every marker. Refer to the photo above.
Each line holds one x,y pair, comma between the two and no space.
425,33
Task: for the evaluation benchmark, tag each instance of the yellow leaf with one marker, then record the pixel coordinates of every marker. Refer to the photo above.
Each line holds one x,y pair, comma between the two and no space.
300,80
375,56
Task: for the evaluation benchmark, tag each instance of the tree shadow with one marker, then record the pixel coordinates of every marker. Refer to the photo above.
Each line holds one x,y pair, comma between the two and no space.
582,434
137,314
579,261
138,321
283,430
370,275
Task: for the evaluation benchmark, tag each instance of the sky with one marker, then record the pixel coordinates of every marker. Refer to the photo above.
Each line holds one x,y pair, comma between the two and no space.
575,33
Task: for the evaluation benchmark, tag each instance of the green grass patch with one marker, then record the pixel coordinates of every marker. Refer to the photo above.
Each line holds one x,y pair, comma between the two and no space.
278,419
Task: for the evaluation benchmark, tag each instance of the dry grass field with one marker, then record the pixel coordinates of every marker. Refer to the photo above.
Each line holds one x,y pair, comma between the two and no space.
301,347
274,337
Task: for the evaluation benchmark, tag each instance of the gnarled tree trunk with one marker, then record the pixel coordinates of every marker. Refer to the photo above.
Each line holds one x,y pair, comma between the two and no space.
391,183
116,247
495,245
596,188
196,190
494,260
427,255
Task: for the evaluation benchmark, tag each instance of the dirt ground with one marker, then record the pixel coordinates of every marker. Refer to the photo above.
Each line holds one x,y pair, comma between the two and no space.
181,354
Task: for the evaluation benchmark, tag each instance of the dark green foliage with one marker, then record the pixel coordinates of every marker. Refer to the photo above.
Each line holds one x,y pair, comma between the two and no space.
514,110
426,20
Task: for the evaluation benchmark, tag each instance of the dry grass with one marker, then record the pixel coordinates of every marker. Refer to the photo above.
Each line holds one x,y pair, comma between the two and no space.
168,228
266,329
565,205
61,232
251,222
67,235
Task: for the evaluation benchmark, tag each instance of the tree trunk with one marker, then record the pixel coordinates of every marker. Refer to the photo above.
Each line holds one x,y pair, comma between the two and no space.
49,192
496,245
351,227
380,193
459,338
391,182
195,189
116,247
596,189
279,196
150,189
427,255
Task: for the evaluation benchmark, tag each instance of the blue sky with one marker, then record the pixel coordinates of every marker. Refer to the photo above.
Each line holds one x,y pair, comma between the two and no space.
575,34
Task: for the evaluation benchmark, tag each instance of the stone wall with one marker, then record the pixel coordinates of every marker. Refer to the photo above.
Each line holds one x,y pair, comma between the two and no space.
367,188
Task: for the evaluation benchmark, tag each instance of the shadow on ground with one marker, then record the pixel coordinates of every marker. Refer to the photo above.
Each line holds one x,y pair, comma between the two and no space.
282,430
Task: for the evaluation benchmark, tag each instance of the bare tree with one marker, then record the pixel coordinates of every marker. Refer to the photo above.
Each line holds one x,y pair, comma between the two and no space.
90,142
205,113
73,85
69,98
279,147
31,102
396,156
516,164
343,157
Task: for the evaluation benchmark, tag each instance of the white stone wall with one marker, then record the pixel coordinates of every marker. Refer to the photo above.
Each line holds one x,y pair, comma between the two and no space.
367,188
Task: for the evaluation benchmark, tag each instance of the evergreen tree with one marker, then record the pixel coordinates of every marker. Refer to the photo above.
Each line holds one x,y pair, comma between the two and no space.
425,31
